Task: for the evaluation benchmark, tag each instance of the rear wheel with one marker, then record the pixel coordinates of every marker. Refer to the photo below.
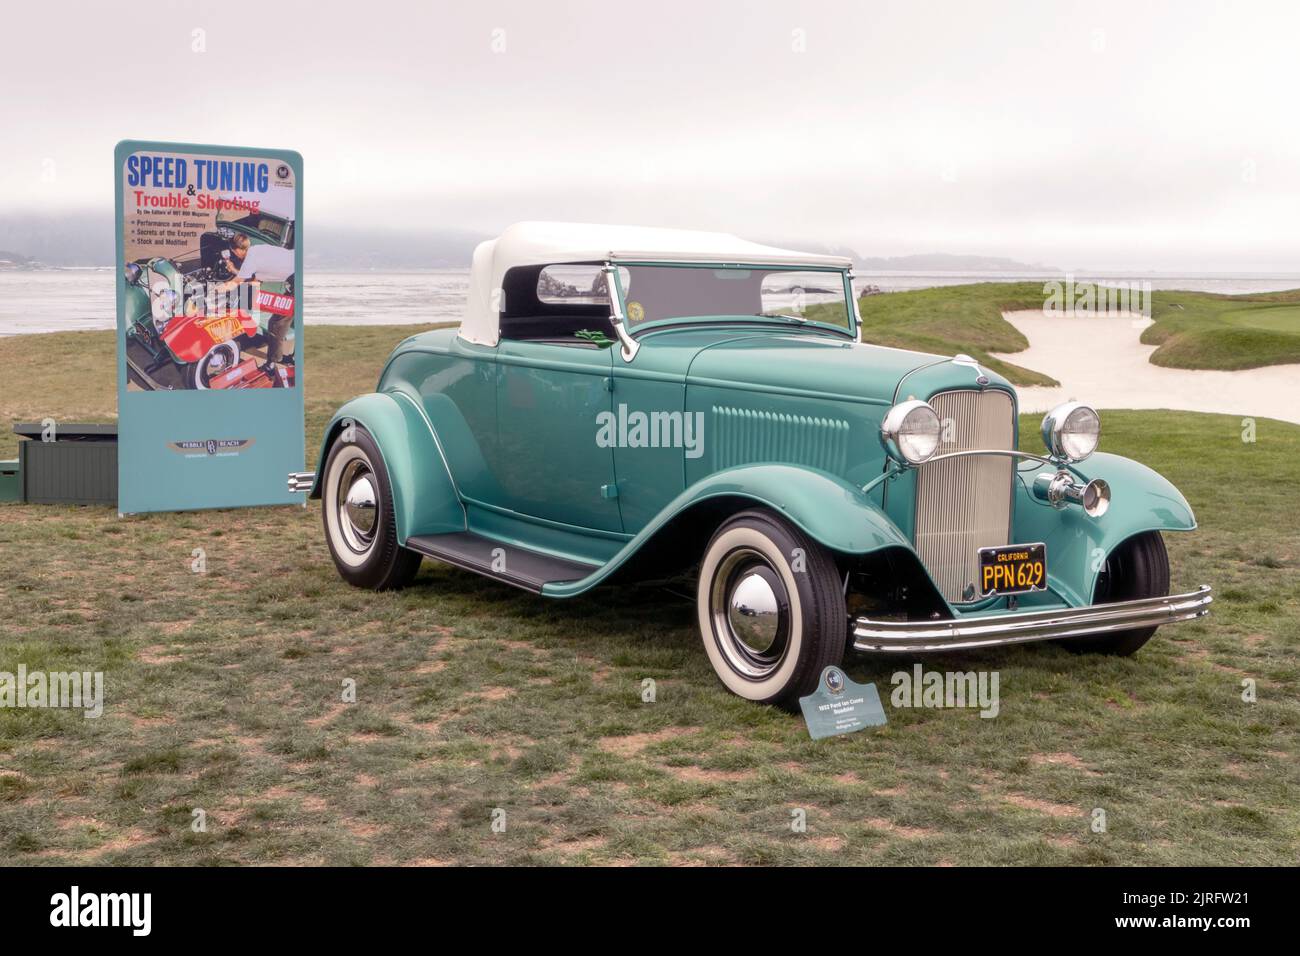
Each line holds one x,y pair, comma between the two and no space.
357,508
771,608
1138,568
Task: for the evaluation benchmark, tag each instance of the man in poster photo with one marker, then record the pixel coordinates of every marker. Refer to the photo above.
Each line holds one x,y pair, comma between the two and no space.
241,261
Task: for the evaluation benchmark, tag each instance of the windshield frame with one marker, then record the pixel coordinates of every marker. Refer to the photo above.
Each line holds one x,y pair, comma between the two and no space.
845,273
237,225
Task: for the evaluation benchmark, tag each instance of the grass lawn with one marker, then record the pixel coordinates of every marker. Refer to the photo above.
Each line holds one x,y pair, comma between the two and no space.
1200,330
224,693
965,318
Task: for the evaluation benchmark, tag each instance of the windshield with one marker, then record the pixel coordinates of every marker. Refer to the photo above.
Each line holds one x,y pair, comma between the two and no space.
264,223
659,293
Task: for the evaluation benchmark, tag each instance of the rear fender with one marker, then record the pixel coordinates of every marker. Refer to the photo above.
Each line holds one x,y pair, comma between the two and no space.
425,500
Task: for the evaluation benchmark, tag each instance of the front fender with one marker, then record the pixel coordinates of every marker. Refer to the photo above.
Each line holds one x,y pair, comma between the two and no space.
186,339
832,511
1077,546
425,500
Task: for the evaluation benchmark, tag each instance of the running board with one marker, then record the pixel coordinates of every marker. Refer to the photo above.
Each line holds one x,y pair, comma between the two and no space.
508,563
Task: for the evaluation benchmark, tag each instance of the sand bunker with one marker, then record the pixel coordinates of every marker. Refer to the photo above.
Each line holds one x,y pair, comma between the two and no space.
1101,361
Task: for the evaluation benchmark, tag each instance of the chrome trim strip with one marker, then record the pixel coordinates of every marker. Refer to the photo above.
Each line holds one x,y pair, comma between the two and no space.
1017,628
988,451
301,481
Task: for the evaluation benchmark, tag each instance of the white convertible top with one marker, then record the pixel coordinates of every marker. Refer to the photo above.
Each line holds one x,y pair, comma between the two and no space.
544,243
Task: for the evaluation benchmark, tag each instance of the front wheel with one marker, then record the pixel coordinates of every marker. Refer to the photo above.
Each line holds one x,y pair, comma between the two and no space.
357,508
1138,568
221,358
771,608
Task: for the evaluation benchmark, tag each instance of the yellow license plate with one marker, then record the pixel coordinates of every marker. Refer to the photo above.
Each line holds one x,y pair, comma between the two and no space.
1013,568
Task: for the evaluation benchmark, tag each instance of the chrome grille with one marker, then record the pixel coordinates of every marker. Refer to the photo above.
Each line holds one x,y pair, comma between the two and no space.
964,504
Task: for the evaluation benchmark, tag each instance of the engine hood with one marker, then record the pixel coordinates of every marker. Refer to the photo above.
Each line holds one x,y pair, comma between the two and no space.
835,369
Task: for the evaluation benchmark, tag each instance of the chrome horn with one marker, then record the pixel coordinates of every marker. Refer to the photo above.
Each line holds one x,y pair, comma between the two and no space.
1061,489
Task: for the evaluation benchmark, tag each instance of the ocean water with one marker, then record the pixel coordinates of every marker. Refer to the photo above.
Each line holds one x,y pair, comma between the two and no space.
60,300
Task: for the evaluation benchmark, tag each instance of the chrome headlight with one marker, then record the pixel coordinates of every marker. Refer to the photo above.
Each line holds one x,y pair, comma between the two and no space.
910,432
164,308
1071,431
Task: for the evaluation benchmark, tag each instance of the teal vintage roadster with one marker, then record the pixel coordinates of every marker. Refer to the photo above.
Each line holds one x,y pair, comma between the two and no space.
625,403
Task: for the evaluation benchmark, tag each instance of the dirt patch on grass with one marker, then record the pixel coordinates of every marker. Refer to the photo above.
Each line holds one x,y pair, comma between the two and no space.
80,823
558,779
575,847
827,843
1042,806
125,841
633,744
361,829
1063,760
701,856
701,775
157,654
144,723
898,829
328,716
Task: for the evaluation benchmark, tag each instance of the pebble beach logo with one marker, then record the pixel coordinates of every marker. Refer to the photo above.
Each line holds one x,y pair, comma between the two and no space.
1103,297
214,447
77,690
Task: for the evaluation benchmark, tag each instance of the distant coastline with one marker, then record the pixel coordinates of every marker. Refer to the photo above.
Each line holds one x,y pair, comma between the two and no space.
73,298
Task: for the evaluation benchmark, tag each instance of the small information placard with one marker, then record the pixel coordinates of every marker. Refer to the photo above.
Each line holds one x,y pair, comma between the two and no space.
839,706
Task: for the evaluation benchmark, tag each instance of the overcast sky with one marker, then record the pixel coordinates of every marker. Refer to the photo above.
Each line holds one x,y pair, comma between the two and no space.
1091,134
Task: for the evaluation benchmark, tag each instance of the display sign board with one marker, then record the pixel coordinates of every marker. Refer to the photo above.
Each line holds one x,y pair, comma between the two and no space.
209,323
841,706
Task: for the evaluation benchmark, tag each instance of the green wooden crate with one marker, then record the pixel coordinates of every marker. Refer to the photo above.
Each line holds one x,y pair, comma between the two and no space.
79,467
11,481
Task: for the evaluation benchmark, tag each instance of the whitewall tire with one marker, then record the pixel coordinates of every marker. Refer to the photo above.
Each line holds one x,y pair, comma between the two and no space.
770,607
357,510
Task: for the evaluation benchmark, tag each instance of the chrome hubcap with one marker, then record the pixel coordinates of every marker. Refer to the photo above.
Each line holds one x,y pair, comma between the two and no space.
751,614
358,513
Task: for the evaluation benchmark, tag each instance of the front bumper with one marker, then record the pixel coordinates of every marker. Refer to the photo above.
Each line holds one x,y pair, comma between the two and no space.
1017,628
